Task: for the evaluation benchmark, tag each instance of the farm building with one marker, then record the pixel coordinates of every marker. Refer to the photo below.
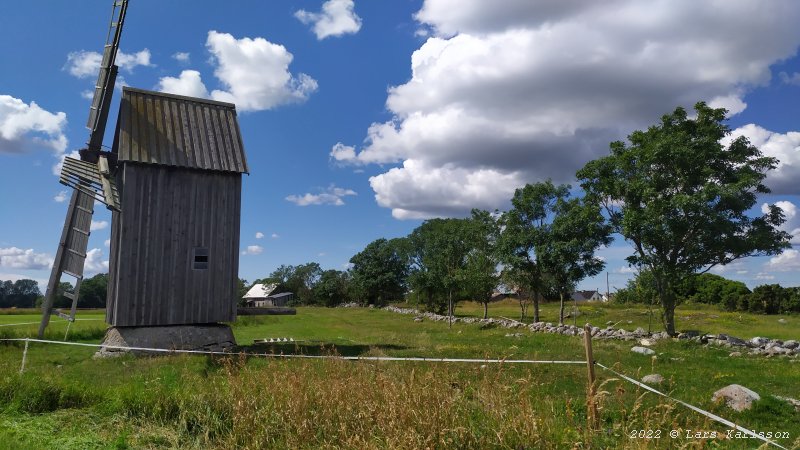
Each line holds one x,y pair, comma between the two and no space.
587,296
175,241
261,295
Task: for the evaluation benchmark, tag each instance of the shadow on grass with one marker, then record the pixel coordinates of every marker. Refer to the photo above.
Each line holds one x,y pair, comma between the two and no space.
317,349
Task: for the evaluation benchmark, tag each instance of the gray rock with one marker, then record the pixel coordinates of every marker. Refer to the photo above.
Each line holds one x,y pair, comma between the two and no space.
643,351
758,341
791,401
735,354
791,344
781,320
417,319
640,331
653,378
737,397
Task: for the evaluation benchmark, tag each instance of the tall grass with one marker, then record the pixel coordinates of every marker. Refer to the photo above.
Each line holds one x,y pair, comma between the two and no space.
236,403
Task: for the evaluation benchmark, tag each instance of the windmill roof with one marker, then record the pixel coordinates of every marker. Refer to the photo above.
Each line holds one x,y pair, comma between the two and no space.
179,131
260,290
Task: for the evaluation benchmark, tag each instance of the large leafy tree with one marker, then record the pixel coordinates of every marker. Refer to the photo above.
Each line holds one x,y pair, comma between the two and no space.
438,251
479,275
94,291
332,288
577,230
380,271
682,199
526,230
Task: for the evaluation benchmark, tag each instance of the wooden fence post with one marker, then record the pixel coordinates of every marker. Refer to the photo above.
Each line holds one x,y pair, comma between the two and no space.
591,406
24,356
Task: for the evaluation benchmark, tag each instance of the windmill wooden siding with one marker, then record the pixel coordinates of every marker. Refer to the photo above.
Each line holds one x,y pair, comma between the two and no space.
179,175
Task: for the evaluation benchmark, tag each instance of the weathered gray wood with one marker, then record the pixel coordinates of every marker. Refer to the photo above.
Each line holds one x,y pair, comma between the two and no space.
166,213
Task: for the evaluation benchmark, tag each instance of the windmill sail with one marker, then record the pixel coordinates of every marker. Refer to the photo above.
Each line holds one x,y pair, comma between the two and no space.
90,178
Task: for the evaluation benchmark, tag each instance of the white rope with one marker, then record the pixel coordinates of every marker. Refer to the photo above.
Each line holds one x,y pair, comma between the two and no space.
36,323
272,355
693,408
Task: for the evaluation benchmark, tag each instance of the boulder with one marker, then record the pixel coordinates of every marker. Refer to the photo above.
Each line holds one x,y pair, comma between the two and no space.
758,341
791,401
643,351
735,354
653,378
791,344
737,397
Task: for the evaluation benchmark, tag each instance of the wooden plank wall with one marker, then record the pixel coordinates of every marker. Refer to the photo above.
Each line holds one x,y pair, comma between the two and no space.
166,213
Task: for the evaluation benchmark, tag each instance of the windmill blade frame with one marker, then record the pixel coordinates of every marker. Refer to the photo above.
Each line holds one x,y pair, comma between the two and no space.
91,178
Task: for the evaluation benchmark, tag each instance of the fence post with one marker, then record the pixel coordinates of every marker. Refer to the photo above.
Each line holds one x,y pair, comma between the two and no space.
24,356
591,406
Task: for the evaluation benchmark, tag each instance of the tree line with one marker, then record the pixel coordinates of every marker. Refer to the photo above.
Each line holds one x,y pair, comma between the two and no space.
713,289
25,293
679,196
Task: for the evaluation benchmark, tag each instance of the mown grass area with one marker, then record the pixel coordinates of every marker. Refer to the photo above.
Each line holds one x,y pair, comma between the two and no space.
704,318
65,399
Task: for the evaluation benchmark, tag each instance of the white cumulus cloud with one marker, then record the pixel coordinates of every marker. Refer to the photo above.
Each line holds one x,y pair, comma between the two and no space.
253,250
17,258
255,73
98,225
784,147
529,90
787,261
25,126
60,197
259,235
187,83
337,18
94,262
182,57
331,196
83,64
274,236
341,152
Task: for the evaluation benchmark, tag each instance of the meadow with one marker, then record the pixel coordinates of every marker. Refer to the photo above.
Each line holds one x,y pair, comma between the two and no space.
66,399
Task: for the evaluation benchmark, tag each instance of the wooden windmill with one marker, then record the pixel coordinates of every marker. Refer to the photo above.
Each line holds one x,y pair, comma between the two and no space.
174,184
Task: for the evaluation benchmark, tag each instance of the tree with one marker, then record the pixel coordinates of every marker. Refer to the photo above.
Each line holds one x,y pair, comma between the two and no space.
577,230
380,271
23,293
681,199
332,288
299,280
525,231
94,291
479,277
438,251
768,299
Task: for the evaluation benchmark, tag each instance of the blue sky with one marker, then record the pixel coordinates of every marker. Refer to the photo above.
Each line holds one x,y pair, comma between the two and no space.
360,119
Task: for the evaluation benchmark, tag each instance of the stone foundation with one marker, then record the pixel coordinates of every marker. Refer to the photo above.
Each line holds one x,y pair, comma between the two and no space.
207,337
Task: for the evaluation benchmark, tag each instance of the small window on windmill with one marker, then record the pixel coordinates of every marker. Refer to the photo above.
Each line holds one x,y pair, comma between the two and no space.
200,258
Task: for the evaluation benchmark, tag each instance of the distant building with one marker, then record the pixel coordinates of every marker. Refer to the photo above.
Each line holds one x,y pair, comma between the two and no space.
261,295
588,296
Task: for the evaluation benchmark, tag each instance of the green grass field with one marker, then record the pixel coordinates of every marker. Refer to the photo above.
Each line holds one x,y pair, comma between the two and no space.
66,399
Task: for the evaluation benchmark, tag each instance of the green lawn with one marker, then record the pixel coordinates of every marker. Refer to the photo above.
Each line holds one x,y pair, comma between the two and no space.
65,399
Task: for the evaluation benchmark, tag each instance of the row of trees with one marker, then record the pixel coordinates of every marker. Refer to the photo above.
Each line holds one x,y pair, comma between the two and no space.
25,293
713,289
544,244
674,192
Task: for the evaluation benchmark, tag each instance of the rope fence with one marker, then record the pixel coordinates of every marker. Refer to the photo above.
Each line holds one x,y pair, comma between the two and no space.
592,407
